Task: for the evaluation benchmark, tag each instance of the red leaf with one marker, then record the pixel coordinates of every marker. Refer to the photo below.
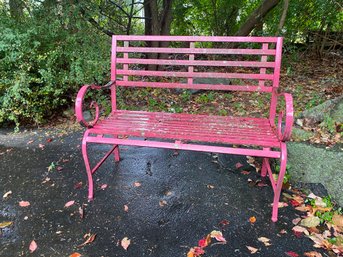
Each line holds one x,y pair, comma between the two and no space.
33,246
49,140
24,203
68,204
292,254
238,165
89,240
294,203
244,172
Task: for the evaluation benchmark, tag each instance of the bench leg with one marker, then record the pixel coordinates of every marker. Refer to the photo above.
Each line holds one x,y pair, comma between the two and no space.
88,168
116,154
264,169
279,183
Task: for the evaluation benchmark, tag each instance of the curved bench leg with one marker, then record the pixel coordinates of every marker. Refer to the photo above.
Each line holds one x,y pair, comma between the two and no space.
277,191
88,168
264,169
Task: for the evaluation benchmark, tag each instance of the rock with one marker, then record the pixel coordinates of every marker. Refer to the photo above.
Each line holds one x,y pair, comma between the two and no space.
299,134
312,164
318,113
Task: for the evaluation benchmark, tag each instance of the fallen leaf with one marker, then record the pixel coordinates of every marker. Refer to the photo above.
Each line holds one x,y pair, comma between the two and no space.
103,186
298,231
223,224
252,219
244,172
210,186
68,204
309,222
294,203
125,243
78,185
337,220
59,168
313,254
196,251
217,235
261,184
81,212
283,231
137,184
41,146
30,142
252,249
33,246
318,200
296,221
264,240
7,194
5,224
90,239
75,255
303,208
24,203
49,140
238,165
162,203
292,254
126,208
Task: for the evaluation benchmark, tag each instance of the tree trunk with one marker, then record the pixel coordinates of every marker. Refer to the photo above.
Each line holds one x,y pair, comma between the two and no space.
157,23
256,17
16,9
283,17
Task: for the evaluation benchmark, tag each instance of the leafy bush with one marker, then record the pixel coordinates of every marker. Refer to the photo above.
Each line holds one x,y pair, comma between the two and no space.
43,62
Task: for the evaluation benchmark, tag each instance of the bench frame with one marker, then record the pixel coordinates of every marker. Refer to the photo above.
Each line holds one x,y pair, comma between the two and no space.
95,133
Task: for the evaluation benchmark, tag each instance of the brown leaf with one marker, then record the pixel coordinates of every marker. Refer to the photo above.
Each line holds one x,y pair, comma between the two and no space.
162,203
33,246
5,224
90,239
210,186
24,203
313,254
303,208
264,240
296,221
78,185
125,243
337,220
252,249
7,194
68,204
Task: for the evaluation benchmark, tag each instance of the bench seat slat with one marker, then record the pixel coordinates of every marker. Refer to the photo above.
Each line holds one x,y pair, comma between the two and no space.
197,63
247,88
213,129
182,74
168,50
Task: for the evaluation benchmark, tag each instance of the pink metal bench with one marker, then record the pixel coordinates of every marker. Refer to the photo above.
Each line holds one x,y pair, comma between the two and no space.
257,69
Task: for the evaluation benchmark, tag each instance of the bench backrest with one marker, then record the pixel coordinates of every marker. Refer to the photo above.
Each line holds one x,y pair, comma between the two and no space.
198,62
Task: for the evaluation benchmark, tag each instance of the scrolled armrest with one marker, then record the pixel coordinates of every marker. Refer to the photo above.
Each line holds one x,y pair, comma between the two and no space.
79,102
286,134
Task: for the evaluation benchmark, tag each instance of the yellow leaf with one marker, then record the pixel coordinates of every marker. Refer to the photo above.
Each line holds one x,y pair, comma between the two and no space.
310,222
5,224
264,240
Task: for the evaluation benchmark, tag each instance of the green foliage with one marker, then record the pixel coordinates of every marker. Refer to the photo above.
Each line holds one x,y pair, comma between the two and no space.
44,60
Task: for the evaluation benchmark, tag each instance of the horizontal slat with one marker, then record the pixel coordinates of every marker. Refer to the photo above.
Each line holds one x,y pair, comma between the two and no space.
197,63
197,39
246,88
168,50
194,74
215,129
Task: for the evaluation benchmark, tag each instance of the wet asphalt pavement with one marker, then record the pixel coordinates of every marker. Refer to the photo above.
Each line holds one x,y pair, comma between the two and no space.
173,200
